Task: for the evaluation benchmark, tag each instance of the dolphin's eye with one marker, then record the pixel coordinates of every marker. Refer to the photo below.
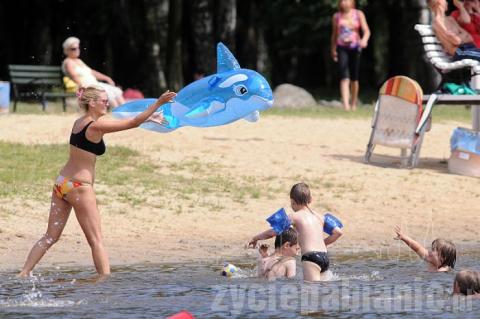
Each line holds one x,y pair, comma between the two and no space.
240,90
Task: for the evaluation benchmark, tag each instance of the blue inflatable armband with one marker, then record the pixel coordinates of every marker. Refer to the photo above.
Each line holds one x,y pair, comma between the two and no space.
279,221
330,223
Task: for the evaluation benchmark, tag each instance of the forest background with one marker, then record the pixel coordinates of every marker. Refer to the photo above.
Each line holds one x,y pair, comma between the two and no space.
152,45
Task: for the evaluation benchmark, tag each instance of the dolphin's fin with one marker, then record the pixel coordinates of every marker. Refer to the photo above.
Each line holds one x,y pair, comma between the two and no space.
252,117
225,59
205,108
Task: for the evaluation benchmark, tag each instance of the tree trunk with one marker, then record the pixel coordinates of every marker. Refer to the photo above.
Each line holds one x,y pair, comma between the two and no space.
226,22
203,37
174,53
156,25
247,34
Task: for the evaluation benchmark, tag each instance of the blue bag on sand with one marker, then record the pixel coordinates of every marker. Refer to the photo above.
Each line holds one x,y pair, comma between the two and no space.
330,223
465,140
279,221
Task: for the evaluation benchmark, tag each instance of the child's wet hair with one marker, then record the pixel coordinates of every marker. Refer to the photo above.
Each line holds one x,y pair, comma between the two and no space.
468,282
287,236
300,193
447,252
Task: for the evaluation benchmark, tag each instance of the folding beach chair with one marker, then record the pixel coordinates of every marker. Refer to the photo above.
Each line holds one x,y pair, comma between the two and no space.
399,120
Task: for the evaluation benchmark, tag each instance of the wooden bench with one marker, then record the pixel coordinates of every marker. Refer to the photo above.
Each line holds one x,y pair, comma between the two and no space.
444,63
39,82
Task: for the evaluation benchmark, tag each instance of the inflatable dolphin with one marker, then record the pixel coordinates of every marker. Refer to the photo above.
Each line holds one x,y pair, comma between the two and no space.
230,94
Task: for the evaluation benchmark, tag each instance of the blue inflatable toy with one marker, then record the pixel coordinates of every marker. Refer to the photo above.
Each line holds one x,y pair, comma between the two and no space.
330,223
280,222
230,94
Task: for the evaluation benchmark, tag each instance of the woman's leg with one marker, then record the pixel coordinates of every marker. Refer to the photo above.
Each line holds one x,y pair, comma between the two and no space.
59,212
344,72
85,205
120,99
354,68
345,93
354,87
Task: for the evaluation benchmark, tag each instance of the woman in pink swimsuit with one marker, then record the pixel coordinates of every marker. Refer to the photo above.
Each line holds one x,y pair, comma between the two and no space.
350,34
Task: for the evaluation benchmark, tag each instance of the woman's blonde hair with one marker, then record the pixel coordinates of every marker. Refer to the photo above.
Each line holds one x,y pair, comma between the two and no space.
87,94
67,44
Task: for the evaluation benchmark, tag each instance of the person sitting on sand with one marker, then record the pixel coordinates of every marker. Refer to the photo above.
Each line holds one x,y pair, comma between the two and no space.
309,225
84,76
440,258
281,263
467,282
74,184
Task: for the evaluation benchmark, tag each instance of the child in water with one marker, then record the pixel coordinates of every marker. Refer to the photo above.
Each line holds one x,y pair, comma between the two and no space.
309,225
280,264
467,282
440,258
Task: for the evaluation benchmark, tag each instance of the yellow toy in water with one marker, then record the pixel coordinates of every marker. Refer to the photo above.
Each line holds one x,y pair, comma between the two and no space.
229,270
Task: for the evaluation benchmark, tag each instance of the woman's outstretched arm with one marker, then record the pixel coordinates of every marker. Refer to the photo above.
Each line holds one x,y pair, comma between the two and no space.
109,126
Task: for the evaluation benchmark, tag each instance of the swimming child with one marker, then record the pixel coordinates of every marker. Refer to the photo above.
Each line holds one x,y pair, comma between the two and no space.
467,282
309,225
440,258
281,263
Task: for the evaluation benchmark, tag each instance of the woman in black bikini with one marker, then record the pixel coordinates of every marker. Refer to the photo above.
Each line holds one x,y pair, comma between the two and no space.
74,185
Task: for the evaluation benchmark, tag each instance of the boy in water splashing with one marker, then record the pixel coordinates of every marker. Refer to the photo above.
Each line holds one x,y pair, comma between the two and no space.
309,225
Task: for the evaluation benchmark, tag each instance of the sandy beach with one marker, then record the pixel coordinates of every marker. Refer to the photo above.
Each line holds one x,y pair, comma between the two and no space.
266,158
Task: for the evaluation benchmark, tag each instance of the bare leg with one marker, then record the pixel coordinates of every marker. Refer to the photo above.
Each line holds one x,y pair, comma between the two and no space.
59,212
312,272
85,205
120,100
354,88
345,93
113,103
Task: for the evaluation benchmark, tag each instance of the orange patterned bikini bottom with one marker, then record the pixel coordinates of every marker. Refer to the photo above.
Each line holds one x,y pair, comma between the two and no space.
64,185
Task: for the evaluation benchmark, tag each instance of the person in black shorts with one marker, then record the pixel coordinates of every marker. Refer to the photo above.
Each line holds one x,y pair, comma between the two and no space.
346,46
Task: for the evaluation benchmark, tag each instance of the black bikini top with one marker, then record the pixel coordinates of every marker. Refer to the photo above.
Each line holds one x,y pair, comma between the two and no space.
80,140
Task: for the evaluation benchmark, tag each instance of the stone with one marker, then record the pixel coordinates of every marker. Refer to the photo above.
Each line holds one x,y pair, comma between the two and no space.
291,96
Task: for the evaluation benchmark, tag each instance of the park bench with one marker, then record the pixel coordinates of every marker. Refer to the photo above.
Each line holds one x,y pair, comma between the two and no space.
39,82
444,63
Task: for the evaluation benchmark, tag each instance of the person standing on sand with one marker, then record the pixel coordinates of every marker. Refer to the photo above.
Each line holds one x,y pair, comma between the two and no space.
74,185
346,47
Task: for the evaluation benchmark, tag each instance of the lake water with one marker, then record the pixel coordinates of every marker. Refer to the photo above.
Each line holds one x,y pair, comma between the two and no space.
363,286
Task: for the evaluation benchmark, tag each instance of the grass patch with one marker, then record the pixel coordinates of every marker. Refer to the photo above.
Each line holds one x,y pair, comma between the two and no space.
440,113
53,107
28,172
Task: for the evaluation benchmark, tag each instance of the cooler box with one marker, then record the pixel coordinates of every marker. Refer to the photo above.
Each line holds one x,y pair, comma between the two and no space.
4,97
465,157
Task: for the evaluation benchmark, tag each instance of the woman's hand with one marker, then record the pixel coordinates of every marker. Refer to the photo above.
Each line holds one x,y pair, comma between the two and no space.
458,4
110,81
363,43
157,118
334,55
166,97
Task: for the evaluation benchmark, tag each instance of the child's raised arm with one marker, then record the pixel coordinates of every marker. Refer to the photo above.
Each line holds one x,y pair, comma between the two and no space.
415,246
262,236
336,234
